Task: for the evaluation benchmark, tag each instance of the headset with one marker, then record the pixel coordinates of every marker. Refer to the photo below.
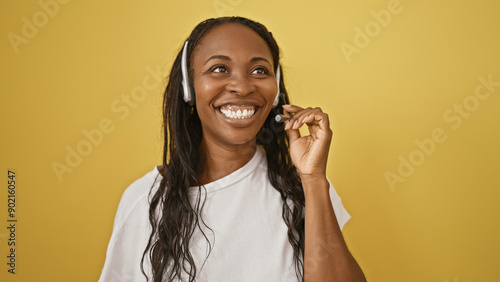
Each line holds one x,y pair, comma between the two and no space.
188,96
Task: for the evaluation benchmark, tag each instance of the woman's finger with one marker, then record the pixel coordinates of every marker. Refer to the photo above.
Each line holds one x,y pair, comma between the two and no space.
318,117
309,116
292,108
296,114
293,134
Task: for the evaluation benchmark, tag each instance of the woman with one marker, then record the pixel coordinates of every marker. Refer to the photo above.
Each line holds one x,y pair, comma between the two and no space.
239,197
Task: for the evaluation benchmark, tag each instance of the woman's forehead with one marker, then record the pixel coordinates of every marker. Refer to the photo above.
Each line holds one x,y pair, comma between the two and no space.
233,40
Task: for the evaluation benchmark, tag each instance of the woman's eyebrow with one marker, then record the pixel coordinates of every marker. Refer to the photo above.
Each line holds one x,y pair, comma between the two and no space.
256,59
221,57
226,58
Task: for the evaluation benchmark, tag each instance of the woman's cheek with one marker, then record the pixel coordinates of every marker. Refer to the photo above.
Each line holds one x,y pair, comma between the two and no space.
206,90
269,89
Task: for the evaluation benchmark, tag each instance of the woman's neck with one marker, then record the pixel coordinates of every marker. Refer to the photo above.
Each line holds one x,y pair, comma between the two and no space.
222,160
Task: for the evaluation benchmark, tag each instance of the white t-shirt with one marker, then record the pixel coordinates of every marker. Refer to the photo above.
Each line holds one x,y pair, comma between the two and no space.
249,239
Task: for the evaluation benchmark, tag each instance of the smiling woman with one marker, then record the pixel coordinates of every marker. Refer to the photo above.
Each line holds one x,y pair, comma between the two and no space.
227,205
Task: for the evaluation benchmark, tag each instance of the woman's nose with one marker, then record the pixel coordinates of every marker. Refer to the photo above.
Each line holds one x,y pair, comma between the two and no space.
241,84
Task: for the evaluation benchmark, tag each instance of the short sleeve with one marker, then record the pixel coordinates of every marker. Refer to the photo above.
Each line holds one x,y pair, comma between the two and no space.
340,212
130,234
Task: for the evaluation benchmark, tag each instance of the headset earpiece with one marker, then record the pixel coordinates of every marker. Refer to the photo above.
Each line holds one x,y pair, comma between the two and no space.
188,98
278,76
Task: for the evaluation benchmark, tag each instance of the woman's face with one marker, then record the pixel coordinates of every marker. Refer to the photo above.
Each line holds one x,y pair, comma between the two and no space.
234,83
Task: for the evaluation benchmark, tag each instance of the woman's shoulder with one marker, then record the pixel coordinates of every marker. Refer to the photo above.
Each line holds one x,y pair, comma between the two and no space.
142,186
138,193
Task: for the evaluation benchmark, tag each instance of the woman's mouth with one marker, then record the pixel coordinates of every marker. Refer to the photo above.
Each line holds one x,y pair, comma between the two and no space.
237,111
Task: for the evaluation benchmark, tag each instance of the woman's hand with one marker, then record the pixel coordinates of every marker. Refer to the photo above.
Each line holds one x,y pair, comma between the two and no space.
309,153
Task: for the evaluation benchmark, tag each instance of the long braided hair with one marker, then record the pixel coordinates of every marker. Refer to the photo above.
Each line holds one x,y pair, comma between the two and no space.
173,214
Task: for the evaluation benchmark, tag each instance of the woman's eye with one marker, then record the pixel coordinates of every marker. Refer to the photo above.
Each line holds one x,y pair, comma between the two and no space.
260,71
219,69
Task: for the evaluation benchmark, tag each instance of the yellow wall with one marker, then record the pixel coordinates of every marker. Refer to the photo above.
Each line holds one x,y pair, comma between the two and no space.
409,79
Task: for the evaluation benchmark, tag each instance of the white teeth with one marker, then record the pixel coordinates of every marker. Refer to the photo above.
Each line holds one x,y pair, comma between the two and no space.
238,114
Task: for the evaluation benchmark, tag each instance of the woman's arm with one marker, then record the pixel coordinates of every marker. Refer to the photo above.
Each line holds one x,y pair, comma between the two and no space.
326,257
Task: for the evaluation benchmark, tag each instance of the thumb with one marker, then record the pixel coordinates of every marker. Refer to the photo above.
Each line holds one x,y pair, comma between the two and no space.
293,134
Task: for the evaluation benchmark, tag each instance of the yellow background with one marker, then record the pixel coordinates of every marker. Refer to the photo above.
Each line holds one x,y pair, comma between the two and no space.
440,224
